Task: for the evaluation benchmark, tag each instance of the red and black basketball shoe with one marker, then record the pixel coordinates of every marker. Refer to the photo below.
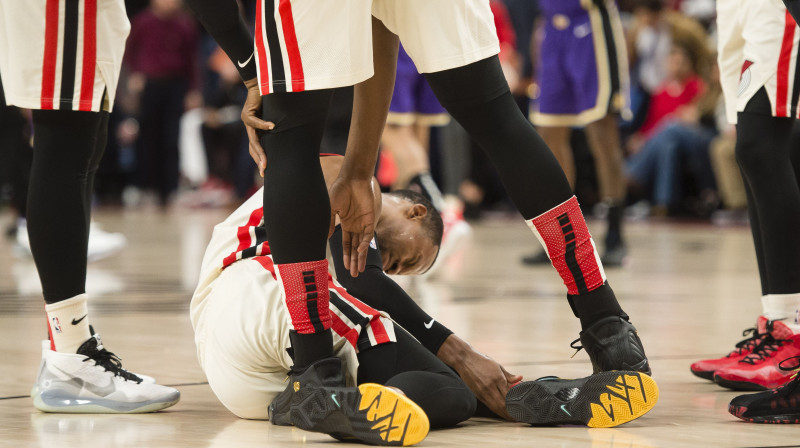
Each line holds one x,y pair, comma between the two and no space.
705,368
759,370
781,405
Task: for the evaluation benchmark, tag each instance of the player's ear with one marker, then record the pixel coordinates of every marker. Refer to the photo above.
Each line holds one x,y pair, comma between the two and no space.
417,211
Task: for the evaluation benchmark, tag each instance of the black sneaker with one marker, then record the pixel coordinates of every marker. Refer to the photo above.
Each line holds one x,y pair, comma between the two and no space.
601,400
281,406
613,344
371,413
781,405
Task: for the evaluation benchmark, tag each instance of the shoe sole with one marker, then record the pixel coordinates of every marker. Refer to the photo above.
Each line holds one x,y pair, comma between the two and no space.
738,411
603,400
90,406
373,414
704,374
739,385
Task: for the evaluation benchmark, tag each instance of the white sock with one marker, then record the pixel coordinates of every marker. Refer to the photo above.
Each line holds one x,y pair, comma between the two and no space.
69,326
783,306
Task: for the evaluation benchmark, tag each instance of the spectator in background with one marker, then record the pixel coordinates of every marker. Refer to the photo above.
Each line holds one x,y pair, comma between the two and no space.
678,129
229,163
161,53
583,74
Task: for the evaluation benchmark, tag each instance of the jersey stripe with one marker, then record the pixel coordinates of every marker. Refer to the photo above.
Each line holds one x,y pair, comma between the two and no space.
377,327
89,54
290,39
784,61
244,236
50,54
261,52
274,44
70,51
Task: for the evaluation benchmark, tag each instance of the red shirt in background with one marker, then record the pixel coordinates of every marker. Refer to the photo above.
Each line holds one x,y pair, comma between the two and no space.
164,48
667,99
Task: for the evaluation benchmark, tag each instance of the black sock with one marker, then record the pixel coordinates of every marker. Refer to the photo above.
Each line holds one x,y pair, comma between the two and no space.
595,305
616,212
309,348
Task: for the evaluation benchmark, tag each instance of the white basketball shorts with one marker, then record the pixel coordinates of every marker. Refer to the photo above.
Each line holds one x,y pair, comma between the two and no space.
311,44
62,54
758,47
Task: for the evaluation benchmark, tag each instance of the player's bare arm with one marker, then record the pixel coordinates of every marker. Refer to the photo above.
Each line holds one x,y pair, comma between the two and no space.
351,194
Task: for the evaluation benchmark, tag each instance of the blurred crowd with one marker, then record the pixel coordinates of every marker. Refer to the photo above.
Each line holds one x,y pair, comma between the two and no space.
176,139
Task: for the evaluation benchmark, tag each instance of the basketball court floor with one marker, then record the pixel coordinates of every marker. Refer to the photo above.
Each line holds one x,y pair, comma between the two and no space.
690,289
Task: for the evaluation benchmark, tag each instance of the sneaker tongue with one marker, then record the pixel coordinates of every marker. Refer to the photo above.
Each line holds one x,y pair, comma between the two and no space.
781,331
761,325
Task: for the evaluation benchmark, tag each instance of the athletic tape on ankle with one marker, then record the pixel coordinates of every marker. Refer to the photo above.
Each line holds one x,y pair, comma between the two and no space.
564,235
305,286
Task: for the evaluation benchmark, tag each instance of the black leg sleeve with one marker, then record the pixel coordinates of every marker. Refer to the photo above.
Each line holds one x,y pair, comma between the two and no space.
424,378
477,96
763,152
296,204
59,197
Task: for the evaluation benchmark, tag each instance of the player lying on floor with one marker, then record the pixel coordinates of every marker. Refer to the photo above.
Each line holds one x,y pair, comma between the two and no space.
243,333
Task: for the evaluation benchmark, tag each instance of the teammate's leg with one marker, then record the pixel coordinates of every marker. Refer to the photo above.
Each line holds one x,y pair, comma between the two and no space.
63,150
477,96
764,155
422,377
297,214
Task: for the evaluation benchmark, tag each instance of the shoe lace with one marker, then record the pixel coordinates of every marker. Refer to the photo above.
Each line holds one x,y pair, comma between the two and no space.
112,363
747,344
795,378
574,345
764,350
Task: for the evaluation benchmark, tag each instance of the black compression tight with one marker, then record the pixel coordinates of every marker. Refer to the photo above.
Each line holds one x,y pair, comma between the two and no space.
296,204
763,151
423,377
67,148
477,96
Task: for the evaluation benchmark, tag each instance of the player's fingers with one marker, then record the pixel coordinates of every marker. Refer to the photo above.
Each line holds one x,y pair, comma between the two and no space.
256,151
363,249
346,245
354,256
510,377
500,404
250,118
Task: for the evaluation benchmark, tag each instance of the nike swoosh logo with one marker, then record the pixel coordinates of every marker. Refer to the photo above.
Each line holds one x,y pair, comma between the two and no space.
564,408
428,325
102,391
77,321
241,65
333,397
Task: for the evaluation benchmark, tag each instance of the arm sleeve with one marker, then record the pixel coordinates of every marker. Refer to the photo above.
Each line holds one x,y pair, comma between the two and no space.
377,290
223,22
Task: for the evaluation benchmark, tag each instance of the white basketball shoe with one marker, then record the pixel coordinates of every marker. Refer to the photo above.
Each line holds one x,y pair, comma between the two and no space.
93,381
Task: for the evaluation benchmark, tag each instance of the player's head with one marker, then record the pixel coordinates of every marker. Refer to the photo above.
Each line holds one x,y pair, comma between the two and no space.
409,233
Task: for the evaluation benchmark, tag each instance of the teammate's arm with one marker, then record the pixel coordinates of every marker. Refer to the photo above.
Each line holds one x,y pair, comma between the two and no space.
225,24
484,376
351,195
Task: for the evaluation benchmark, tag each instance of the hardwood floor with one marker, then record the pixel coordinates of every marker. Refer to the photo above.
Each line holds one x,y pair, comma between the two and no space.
689,288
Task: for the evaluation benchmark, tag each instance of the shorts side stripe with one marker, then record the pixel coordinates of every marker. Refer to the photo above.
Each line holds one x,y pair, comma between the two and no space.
50,54
89,55
611,48
782,90
70,51
274,44
292,49
262,67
